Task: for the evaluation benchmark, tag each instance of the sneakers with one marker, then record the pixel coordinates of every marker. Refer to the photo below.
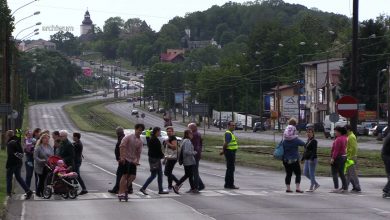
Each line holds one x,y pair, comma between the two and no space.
143,191
356,191
298,191
316,187
163,192
83,192
29,194
339,190
176,188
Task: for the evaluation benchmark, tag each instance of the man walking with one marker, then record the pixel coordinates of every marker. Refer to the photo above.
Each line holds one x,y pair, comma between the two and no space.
66,150
230,147
350,165
78,149
130,153
198,144
120,135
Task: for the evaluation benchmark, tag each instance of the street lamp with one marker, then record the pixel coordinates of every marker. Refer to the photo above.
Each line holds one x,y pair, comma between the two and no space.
37,24
35,32
35,13
23,6
377,94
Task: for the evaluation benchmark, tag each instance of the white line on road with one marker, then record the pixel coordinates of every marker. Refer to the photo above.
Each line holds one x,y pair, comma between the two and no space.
381,211
23,210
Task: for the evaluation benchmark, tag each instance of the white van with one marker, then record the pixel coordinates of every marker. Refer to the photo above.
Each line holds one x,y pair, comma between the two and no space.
329,126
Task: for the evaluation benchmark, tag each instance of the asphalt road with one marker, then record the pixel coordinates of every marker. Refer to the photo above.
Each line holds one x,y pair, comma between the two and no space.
261,194
124,110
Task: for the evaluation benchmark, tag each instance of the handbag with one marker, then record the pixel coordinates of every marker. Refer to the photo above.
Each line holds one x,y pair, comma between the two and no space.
279,151
154,163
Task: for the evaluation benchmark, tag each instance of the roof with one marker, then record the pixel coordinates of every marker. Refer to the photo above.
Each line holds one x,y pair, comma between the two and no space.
315,62
169,57
87,19
282,87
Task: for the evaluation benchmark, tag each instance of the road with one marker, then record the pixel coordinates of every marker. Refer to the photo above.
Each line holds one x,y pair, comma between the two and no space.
124,110
261,194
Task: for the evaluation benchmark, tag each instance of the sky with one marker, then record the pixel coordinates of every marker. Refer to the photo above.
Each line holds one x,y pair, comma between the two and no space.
68,14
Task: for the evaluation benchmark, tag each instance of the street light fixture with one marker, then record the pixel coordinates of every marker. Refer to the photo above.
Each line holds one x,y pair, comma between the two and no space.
23,6
35,13
36,24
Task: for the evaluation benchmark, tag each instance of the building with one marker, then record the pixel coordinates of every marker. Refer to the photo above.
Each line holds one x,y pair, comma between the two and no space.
86,25
322,77
189,44
172,56
37,44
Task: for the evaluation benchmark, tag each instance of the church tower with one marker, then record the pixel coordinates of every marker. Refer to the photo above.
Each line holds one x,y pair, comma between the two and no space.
86,25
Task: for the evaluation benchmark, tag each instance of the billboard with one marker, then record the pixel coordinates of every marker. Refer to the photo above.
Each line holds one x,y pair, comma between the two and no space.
179,97
87,71
290,106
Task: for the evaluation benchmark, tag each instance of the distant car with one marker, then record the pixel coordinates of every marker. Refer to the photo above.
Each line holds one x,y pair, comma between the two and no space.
385,131
163,137
129,100
239,126
161,110
360,130
378,129
134,112
140,77
127,74
151,109
258,127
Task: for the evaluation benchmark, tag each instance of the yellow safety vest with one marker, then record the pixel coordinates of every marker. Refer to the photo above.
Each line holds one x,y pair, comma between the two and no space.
148,133
232,145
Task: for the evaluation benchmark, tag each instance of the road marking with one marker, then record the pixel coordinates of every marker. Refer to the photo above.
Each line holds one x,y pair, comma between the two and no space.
251,193
381,211
23,211
194,210
227,193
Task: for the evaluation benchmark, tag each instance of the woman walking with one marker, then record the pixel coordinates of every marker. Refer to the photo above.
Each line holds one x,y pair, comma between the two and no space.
291,156
14,164
155,155
42,152
338,158
29,144
310,159
188,153
171,147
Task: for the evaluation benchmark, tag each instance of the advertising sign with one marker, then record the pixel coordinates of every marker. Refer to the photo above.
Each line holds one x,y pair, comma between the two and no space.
290,106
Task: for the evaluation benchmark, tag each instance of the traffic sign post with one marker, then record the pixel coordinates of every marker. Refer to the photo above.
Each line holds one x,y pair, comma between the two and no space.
347,106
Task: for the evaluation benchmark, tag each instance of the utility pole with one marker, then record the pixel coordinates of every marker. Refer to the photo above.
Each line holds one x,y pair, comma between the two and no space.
388,94
327,85
355,51
261,96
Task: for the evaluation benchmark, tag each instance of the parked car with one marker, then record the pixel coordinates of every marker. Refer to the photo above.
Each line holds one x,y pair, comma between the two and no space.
134,112
367,126
258,126
360,130
161,110
385,131
378,129
163,137
151,109
129,100
239,126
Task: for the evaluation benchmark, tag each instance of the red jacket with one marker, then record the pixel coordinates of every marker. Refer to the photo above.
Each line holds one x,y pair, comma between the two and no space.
339,147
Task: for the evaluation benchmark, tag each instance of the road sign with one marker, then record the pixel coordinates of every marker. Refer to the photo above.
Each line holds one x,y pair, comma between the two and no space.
290,107
198,109
334,117
347,106
5,108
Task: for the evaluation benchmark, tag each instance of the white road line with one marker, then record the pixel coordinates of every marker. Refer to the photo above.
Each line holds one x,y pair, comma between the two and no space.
194,210
23,211
381,211
227,193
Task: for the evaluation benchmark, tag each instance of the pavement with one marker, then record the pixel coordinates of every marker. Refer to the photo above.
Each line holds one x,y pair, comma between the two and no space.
261,194
123,109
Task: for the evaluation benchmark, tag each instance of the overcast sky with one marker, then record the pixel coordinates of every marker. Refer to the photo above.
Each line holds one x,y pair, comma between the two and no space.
70,13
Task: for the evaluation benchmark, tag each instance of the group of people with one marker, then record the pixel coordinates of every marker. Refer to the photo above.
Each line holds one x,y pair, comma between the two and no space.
343,159
36,147
160,152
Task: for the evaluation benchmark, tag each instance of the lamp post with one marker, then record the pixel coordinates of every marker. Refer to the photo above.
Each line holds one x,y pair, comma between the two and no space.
23,6
377,94
37,24
261,95
35,13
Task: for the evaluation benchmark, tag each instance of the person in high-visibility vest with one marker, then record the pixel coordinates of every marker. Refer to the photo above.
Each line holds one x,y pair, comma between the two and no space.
351,172
230,147
148,134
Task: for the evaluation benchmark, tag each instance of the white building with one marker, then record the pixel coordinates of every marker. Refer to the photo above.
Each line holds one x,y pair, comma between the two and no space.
317,75
87,25
37,44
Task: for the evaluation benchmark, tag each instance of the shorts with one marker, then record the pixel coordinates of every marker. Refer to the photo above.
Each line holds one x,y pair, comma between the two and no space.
128,168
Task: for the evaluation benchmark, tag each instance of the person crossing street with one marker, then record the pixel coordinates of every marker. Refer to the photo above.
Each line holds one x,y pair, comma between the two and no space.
351,163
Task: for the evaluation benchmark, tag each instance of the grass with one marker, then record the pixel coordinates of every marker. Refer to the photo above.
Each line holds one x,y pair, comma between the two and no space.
94,117
252,153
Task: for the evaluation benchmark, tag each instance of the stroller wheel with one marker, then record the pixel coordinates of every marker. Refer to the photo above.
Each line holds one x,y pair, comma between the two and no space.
73,193
65,195
47,192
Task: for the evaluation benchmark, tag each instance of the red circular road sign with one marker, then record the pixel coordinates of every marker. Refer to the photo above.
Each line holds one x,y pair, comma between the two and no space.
347,106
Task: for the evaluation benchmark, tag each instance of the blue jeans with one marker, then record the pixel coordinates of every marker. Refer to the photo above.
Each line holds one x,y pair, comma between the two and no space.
29,164
230,156
153,174
337,169
15,171
310,172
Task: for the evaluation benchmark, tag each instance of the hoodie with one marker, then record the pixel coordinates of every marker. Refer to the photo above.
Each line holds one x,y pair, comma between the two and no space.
290,133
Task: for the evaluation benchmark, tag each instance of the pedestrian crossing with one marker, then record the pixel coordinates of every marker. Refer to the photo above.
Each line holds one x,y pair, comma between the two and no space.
203,193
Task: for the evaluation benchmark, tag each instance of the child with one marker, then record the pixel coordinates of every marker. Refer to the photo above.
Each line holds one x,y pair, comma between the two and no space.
61,170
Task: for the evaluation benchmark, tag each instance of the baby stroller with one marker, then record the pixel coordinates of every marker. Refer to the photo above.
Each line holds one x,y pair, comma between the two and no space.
66,186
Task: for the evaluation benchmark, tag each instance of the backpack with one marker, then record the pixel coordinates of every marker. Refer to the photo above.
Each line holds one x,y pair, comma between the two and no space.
279,151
